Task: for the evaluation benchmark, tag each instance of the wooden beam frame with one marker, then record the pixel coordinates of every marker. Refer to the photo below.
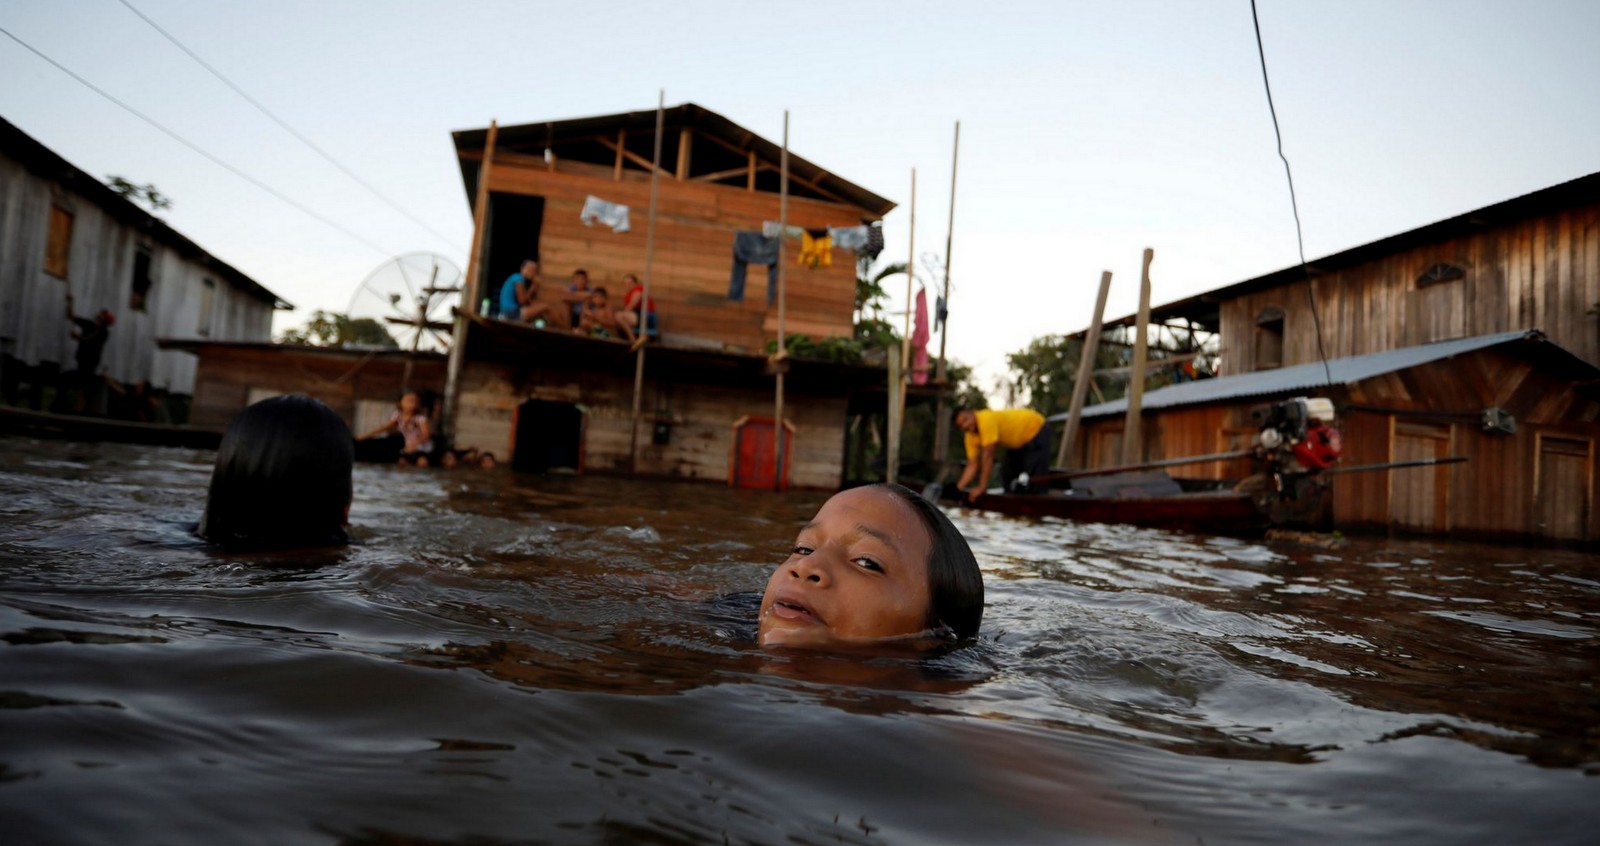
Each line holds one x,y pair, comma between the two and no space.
685,151
622,144
631,156
720,175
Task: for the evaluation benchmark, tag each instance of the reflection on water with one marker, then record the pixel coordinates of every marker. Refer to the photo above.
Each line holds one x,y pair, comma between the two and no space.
510,659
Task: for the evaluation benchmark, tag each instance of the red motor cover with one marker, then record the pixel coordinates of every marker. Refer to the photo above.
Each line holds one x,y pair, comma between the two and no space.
1320,448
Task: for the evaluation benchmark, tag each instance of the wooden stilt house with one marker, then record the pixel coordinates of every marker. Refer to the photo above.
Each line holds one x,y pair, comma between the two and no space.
1474,336
551,398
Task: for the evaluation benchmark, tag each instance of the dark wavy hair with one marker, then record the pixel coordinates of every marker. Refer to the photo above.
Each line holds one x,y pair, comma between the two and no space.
282,478
955,585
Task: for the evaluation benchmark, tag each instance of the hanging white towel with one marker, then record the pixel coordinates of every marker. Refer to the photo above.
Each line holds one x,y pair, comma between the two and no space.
848,237
613,215
771,229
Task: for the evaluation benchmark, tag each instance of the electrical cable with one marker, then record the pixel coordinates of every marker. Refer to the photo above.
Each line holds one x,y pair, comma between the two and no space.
284,124
191,145
1294,204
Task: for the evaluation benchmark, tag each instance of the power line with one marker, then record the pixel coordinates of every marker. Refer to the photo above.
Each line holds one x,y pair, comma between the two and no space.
191,145
1294,204
284,124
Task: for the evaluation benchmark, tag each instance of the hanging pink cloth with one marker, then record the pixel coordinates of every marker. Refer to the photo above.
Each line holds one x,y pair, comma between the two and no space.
919,340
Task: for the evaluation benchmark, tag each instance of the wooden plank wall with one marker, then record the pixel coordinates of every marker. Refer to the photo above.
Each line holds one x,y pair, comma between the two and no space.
1493,494
701,417
101,256
695,225
1541,273
227,375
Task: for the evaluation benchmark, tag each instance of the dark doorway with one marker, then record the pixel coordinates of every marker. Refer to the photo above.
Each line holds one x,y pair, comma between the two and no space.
549,437
514,224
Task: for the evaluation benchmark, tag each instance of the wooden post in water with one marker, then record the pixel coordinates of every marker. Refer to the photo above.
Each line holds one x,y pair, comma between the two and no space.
941,425
1132,437
897,381
897,375
1080,386
780,362
469,298
644,304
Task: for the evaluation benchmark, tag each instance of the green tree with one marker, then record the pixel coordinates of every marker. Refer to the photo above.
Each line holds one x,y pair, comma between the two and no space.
1048,368
328,329
146,193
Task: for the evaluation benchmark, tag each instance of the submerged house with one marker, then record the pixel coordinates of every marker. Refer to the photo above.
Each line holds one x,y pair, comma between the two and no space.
1472,336
62,231
551,398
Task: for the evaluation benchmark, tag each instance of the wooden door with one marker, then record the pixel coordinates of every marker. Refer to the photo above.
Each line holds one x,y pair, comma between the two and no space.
1419,497
752,453
1562,498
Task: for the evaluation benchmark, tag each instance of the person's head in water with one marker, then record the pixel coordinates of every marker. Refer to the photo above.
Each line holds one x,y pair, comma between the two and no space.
282,478
877,563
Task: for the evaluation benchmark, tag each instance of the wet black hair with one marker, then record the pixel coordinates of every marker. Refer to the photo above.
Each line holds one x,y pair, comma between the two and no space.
955,585
282,478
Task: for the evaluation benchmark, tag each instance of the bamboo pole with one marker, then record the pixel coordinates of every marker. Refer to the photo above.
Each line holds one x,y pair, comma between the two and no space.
941,426
897,376
1132,436
1080,387
644,304
469,299
783,273
897,381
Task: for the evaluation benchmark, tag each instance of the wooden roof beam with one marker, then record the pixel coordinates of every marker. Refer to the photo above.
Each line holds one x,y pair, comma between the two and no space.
632,156
685,148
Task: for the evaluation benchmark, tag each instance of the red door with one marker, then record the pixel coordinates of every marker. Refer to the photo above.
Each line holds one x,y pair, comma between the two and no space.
752,454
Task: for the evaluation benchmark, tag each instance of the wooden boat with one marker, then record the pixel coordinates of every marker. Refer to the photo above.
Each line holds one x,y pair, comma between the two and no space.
1155,500
45,424
1294,456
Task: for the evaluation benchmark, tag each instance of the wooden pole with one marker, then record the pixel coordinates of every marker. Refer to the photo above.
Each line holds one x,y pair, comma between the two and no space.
644,305
897,376
1132,437
941,426
1080,387
783,274
892,448
469,299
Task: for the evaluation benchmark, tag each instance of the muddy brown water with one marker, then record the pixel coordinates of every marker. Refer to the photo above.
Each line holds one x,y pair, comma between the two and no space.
526,659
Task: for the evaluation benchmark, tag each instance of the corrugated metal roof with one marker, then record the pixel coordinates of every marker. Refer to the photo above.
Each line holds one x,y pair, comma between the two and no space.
1302,377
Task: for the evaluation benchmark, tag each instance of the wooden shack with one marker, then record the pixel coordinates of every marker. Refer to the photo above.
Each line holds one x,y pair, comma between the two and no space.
554,399
1531,262
62,231
1424,332
362,385
1524,412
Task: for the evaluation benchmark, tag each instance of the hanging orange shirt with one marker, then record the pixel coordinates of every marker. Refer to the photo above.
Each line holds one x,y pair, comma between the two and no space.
816,252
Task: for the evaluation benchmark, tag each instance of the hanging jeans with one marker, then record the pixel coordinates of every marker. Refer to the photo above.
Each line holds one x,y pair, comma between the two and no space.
753,248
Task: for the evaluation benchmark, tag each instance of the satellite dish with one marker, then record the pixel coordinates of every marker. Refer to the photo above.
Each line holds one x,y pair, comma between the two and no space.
412,297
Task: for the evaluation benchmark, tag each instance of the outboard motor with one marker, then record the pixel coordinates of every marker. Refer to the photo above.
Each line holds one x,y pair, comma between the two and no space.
1300,429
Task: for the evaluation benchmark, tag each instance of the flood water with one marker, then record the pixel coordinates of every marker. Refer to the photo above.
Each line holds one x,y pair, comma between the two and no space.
520,659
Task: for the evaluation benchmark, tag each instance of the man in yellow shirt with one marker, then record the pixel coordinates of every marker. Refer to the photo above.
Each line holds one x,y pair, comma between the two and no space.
1022,431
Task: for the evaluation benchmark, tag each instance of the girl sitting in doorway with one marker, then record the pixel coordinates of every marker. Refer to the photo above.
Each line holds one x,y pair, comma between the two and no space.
410,419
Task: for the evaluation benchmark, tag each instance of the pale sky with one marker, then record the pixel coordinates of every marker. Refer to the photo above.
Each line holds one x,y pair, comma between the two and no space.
1089,130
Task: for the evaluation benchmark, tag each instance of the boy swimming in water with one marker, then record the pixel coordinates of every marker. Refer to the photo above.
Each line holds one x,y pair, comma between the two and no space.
876,564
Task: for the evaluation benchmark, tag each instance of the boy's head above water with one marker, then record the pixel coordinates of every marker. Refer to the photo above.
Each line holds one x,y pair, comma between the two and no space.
876,563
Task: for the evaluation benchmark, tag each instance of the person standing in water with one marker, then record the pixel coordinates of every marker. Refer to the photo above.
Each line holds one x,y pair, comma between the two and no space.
91,336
